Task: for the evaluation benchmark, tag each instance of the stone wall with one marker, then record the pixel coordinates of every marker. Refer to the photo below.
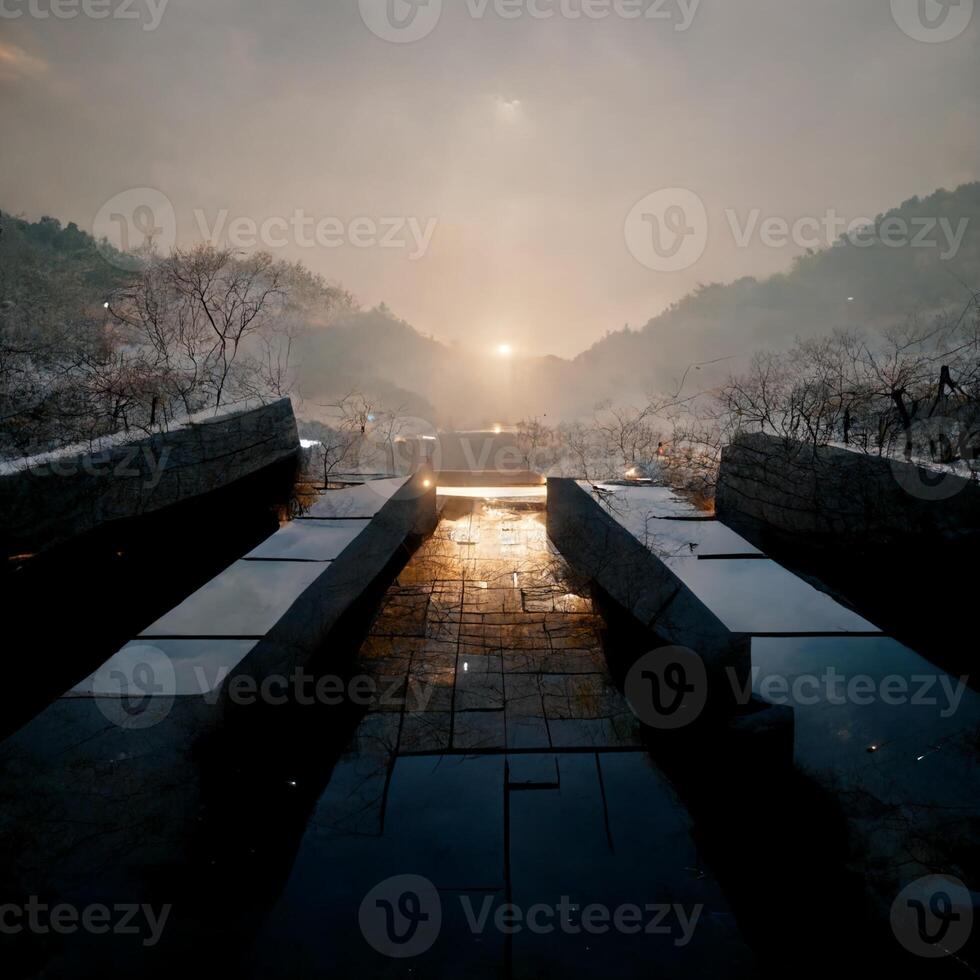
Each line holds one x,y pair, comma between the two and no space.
793,488
61,494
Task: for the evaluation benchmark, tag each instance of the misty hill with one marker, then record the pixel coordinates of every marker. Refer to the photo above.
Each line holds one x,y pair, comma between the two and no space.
45,269
845,286
49,272
387,360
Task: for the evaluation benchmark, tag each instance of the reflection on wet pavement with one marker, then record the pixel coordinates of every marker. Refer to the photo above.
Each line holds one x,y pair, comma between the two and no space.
501,764
488,646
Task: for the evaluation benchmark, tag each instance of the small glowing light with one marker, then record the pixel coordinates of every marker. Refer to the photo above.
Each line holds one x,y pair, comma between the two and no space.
920,758
292,782
105,305
631,473
850,299
505,350
466,665
497,429
426,484
872,748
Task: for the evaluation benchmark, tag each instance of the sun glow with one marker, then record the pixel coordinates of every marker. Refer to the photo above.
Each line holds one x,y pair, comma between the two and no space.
504,350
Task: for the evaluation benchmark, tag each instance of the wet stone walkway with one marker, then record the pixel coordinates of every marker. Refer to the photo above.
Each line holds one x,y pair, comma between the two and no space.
482,647
499,768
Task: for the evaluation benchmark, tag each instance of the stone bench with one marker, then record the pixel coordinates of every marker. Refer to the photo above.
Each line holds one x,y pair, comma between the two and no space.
270,612
632,575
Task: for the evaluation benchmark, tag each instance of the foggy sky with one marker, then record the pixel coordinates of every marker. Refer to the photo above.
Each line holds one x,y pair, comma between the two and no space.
528,140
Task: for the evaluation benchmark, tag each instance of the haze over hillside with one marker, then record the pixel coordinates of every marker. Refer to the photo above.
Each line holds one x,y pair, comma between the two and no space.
51,272
847,286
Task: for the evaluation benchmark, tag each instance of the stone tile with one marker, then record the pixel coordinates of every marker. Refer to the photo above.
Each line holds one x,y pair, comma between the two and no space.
425,731
525,661
181,667
526,724
435,666
443,631
574,662
427,692
354,502
480,662
391,692
479,690
479,730
524,732
247,599
528,770
631,843
447,815
579,696
739,591
612,732
389,649
309,540
430,647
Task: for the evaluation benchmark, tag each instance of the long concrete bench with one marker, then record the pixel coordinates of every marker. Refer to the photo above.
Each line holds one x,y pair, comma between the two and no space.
639,581
270,612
